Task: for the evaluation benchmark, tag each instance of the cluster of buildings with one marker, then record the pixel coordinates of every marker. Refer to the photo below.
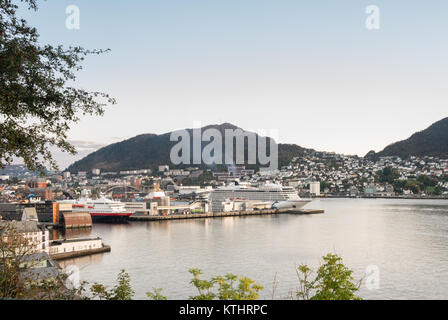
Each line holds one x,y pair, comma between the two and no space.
312,174
39,246
47,226
26,189
345,175
126,185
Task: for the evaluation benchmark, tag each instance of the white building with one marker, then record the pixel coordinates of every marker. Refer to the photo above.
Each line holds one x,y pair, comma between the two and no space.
183,190
244,205
315,188
39,239
188,189
30,214
136,207
74,245
177,172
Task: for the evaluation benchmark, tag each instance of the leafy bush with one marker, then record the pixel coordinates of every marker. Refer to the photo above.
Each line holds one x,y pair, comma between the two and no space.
121,291
333,281
246,289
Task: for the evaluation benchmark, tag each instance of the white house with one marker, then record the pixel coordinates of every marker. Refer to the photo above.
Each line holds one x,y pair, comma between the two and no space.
74,245
39,238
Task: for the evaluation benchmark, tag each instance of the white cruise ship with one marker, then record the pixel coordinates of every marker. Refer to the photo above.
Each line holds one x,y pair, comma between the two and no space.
101,209
280,196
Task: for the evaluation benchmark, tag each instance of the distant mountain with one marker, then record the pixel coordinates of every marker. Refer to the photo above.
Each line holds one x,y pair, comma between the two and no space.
148,151
432,141
21,171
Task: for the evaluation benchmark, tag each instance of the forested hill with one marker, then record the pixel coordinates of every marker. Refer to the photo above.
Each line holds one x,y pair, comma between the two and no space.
432,141
148,151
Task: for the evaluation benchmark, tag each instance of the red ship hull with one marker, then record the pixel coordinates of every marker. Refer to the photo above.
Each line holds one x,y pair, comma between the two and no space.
109,214
109,217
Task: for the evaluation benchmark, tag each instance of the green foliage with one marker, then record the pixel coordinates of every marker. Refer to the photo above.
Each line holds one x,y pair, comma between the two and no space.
55,289
228,287
156,294
427,181
325,185
15,279
413,185
388,175
399,185
421,184
305,285
202,180
13,248
37,105
121,291
286,152
438,191
333,281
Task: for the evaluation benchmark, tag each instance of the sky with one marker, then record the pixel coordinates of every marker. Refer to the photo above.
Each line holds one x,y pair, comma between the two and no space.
309,69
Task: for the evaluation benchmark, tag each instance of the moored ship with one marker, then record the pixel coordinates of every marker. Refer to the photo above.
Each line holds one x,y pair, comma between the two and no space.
281,197
101,209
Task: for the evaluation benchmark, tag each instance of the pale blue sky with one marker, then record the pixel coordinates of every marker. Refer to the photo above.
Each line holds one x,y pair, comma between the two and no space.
307,68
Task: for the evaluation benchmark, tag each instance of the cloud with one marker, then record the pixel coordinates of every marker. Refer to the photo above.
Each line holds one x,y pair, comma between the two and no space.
83,145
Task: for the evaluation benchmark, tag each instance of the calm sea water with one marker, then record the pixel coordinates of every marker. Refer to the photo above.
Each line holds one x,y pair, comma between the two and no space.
407,240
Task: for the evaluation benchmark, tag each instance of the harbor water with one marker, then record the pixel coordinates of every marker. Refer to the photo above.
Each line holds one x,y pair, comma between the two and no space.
404,241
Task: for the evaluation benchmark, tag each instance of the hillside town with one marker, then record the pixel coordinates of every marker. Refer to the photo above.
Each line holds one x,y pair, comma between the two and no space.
313,174
342,175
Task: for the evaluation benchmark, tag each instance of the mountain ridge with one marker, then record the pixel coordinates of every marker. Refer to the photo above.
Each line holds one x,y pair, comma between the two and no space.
148,151
432,141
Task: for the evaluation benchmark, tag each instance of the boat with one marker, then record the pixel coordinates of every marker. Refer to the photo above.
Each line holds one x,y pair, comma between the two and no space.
101,209
280,197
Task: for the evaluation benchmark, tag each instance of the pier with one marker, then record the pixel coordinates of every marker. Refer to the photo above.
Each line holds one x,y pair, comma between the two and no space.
82,253
223,214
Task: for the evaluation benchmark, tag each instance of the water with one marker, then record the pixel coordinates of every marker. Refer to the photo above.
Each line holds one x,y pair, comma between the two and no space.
406,239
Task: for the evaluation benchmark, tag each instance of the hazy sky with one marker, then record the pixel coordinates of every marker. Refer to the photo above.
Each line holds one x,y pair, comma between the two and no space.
310,69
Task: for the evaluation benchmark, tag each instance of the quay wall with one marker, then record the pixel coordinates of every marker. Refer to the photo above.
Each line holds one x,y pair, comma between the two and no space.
82,253
221,214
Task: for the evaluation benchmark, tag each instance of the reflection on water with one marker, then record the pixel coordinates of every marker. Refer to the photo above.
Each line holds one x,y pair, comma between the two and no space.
406,239
82,262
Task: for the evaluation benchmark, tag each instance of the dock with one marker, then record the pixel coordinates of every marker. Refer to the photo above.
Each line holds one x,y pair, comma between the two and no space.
82,253
223,214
